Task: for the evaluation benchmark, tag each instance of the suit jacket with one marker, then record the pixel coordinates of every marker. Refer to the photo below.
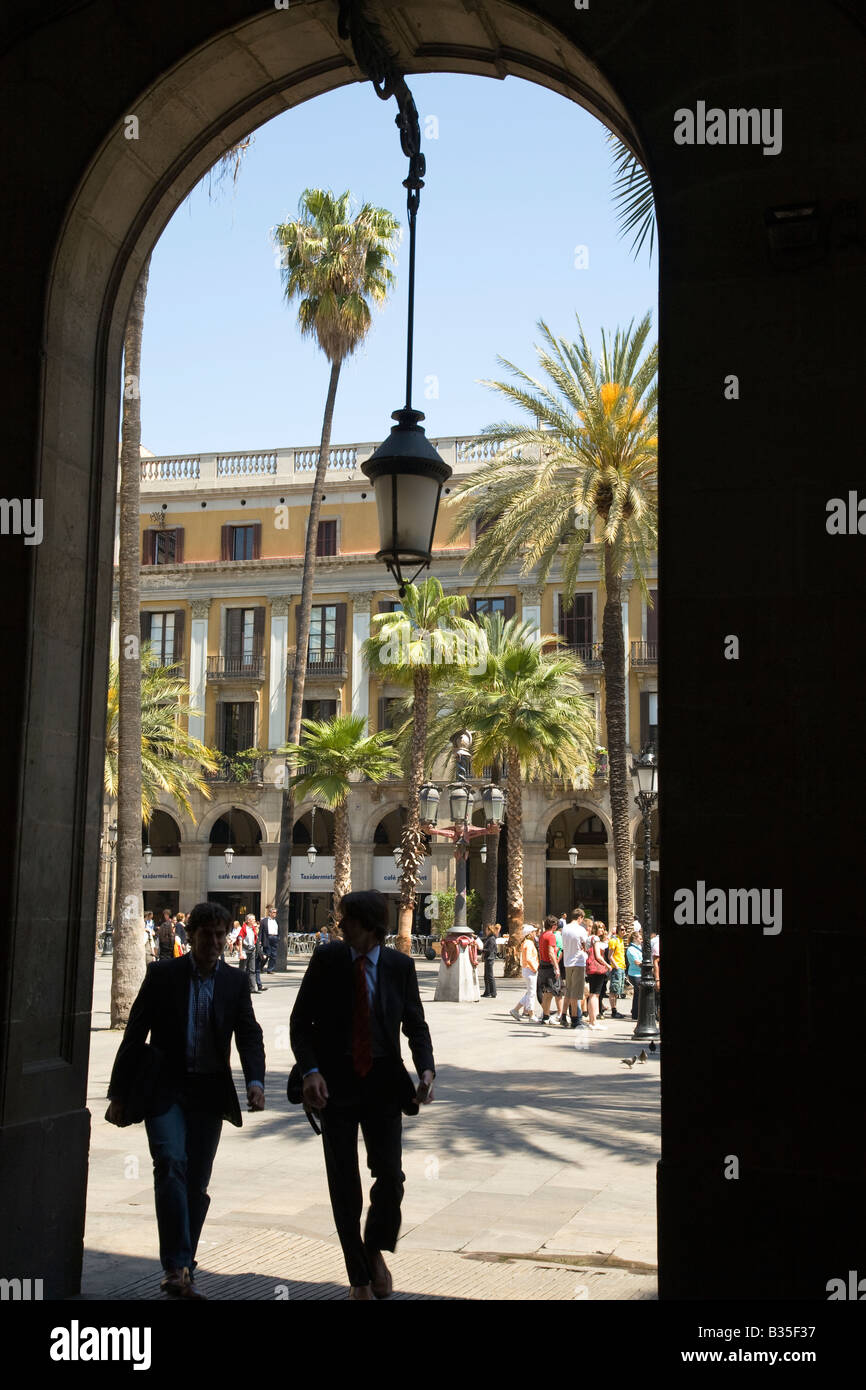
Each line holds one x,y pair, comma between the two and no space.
321,1022
162,1009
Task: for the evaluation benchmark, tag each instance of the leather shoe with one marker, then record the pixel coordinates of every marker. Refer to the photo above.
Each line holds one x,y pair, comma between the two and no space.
178,1283
380,1276
360,1291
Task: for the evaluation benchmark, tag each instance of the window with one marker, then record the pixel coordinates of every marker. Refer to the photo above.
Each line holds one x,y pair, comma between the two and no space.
483,523
505,605
591,831
319,709
390,605
323,633
237,727
162,546
575,620
241,542
652,617
164,632
326,538
649,718
244,636
389,715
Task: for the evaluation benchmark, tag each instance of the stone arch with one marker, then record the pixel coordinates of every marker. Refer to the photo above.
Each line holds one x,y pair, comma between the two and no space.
549,813
213,814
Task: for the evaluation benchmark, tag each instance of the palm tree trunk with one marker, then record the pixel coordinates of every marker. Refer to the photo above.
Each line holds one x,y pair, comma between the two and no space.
491,881
412,841
613,656
128,961
514,816
287,811
342,856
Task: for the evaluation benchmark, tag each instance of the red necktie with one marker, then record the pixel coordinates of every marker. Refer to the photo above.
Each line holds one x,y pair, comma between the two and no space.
362,1053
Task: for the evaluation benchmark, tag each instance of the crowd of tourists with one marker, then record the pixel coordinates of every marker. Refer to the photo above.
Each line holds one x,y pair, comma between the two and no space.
577,973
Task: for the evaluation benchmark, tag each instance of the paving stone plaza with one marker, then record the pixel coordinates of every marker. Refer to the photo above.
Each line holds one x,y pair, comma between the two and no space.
532,1175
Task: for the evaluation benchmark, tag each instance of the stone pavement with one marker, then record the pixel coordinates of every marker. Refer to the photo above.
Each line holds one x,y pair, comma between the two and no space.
532,1174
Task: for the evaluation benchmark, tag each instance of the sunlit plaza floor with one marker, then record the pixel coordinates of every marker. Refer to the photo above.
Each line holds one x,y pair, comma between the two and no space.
532,1174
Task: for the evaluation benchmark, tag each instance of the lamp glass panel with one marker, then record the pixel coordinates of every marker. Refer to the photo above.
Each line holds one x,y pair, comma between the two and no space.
428,804
417,499
458,798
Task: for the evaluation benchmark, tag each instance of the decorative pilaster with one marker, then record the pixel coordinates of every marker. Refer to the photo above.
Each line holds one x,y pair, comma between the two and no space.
277,660
531,596
361,605
199,617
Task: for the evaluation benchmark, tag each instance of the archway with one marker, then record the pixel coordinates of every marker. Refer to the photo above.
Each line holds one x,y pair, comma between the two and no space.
584,882
235,879
98,202
160,874
312,874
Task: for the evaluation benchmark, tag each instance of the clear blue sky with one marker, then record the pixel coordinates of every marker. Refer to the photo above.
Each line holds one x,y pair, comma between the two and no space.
516,180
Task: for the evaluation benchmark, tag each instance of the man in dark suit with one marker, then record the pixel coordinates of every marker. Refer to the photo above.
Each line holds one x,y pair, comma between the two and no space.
345,1034
191,1007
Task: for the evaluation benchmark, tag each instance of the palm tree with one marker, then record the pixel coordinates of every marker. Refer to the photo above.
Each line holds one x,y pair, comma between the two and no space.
333,753
632,196
592,458
418,647
333,264
171,759
127,966
529,710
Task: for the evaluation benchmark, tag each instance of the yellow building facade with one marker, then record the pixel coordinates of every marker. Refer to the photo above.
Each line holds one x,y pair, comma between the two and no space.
222,541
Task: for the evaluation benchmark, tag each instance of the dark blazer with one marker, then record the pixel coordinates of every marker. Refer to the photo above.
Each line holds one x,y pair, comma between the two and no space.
162,1009
321,1022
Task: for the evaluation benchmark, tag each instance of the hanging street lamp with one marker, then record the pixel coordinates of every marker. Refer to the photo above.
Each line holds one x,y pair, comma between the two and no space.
406,471
645,777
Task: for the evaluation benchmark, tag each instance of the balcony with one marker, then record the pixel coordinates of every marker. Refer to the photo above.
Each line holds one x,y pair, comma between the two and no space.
175,669
644,653
236,668
239,770
330,665
587,652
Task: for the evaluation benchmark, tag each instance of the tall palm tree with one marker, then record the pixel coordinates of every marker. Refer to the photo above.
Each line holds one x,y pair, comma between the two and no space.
528,709
171,759
333,264
332,753
127,966
591,456
419,647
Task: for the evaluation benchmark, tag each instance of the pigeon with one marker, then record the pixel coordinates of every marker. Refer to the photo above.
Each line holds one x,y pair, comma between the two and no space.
652,1047
629,1061
642,1057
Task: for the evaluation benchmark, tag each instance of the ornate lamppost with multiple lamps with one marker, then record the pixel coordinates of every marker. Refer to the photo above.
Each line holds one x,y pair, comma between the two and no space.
645,776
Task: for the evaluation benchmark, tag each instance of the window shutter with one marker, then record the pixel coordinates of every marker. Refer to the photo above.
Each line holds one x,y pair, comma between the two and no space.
510,606
226,542
147,546
145,621
246,726
340,629
381,714
179,624
386,605
652,617
257,540
562,612
258,631
234,633
644,718
178,545
473,608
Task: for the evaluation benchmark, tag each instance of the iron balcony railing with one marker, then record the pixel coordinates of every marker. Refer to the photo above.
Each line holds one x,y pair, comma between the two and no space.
226,668
233,771
323,663
590,653
644,653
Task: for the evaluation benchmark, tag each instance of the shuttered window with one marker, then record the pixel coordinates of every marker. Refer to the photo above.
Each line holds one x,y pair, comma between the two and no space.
245,628
389,715
162,547
319,709
326,538
575,620
649,718
652,617
165,633
241,542
238,726
506,605
327,632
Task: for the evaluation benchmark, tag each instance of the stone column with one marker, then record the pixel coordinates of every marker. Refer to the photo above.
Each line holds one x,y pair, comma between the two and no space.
534,879
193,874
200,609
360,632
277,672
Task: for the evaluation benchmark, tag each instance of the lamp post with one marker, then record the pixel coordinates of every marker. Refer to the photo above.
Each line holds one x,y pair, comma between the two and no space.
573,855
406,471
107,942
645,776
228,852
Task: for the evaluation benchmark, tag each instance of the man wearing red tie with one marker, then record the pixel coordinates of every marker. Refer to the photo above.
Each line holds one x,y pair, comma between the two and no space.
345,1033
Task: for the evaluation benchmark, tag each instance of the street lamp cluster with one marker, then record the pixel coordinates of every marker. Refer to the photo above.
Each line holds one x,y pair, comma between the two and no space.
645,778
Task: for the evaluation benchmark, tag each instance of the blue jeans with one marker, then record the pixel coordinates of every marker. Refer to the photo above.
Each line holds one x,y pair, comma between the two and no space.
183,1144
635,999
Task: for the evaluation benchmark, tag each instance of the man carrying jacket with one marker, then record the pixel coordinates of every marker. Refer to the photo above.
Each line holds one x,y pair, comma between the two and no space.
182,1085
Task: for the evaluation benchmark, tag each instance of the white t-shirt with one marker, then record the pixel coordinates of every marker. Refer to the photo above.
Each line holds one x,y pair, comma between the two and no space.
573,945
272,925
654,946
